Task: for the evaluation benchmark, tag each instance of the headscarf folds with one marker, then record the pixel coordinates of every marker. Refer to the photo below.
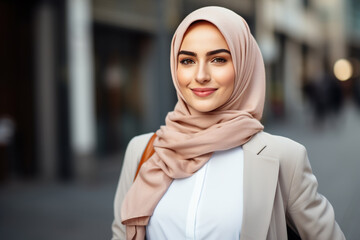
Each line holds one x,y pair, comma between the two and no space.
187,141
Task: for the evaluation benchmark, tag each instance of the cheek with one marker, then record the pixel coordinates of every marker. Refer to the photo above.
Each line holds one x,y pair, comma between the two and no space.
183,77
226,78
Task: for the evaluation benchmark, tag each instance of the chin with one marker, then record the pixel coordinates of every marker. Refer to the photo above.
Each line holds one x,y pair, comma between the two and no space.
204,109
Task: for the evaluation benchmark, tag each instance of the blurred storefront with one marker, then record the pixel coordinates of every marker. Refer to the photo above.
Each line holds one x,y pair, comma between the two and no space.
353,45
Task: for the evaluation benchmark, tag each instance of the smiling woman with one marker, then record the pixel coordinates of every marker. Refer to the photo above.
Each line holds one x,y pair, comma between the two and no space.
214,174
205,70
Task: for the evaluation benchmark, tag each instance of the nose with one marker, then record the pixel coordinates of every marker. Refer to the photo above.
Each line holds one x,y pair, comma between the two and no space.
202,74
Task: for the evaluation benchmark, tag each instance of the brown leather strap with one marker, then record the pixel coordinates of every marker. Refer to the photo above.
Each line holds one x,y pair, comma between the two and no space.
148,152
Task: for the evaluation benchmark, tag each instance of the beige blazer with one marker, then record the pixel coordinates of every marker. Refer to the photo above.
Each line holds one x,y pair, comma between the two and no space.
279,188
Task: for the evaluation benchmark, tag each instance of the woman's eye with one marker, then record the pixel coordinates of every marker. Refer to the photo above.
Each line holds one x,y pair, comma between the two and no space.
219,60
186,61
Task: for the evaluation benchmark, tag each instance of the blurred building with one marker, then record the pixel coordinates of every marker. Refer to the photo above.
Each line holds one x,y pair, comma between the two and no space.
81,77
300,41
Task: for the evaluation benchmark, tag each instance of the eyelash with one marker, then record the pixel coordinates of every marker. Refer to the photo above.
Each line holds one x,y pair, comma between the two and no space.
219,60
187,61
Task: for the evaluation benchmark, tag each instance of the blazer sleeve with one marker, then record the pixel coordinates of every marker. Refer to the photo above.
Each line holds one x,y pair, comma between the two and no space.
132,158
310,212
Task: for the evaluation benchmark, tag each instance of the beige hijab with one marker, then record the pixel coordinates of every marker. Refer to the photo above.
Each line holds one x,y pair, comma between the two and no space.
187,141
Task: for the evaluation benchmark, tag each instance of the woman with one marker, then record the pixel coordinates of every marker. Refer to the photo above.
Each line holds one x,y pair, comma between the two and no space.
215,174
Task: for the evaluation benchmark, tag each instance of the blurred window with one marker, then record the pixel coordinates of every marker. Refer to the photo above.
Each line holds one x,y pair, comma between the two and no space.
306,3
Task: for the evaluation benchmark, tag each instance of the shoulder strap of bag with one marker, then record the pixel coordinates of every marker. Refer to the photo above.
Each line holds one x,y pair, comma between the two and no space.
148,152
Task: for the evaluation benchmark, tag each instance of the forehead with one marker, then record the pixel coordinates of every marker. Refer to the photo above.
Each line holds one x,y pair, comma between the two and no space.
202,34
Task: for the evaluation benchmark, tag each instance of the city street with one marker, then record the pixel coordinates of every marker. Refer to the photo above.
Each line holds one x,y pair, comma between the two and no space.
39,211
80,78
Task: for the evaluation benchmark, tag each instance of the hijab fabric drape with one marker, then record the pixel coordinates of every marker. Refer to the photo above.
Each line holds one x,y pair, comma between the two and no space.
187,140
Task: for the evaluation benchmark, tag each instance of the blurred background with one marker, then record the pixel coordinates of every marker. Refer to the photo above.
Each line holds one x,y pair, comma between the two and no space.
80,78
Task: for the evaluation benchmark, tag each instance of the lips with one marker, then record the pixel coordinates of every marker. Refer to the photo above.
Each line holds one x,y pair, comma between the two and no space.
203,92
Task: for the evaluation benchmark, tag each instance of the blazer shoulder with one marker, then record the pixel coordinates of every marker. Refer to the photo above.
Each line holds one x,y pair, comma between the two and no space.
285,149
275,141
134,151
141,140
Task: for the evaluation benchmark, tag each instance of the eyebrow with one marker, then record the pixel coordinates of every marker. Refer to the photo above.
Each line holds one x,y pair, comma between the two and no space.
218,51
207,54
187,53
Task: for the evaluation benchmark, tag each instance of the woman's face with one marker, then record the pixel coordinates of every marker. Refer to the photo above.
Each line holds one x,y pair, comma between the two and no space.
205,69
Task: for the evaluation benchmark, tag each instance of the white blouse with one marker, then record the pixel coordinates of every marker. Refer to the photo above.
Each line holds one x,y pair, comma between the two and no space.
207,205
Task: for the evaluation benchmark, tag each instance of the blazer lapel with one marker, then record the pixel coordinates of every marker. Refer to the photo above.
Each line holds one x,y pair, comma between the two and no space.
260,181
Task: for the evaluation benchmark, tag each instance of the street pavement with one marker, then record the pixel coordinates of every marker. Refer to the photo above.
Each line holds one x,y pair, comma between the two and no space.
60,211
35,210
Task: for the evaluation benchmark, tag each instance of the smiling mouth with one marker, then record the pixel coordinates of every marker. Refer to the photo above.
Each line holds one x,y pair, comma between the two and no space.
203,92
